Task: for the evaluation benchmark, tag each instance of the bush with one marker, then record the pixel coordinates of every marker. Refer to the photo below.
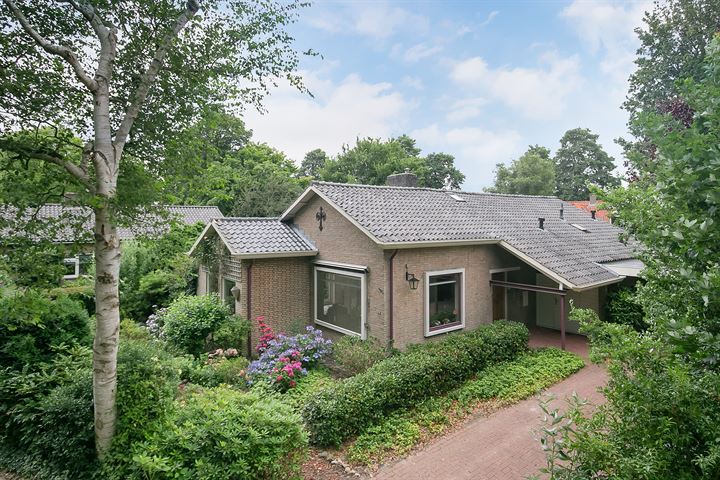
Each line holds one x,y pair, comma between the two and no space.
284,358
353,355
46,417
232,333
33,325
188,322
345,409
81,290
224,434
222,370
622,308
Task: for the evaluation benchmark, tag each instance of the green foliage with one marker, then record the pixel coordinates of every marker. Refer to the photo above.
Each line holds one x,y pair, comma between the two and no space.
189,321
371,160
232,333
353,355
579,162
622,307
511,381
80,290
215,372
155,271
33,325
307,386
531,174
224,434
349,407
657,421
313,162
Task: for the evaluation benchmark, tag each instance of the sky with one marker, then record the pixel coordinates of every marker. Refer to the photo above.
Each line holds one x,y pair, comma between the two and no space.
480,80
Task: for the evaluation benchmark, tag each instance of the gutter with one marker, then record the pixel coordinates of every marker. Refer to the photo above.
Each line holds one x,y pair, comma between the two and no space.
248,302
391,302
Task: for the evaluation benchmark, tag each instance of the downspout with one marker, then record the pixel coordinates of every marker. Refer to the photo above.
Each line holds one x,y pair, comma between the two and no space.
248,301
391,332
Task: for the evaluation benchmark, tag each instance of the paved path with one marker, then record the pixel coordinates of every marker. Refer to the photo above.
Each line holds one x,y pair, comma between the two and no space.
501,446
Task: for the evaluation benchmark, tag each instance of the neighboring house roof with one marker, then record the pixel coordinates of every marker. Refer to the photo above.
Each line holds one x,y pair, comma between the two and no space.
80,220
259,237
404,217
603,215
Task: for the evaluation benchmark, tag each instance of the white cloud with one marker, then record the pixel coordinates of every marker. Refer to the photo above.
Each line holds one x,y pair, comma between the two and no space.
476,150
420,51
490,18
413,82
340,112
537,93
608,26
377,20
466,109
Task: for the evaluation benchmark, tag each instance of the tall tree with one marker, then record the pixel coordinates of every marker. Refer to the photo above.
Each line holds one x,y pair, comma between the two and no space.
672,38
580,161
531,174
313,163
371,160
126,76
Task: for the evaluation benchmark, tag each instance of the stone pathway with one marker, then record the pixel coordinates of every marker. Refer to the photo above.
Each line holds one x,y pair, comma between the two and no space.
503,445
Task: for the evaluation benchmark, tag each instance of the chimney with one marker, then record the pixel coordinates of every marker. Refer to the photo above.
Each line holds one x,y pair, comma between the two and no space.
592,205
541,223
562,211
406,179
592,214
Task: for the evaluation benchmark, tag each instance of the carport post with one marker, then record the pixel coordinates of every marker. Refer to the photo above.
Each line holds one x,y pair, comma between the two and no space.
562,319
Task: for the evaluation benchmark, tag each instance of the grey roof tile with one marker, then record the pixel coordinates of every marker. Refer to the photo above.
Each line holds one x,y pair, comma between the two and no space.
258,236
402,214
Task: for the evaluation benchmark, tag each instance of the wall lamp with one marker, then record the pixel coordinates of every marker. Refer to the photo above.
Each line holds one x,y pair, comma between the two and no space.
412,280
235,292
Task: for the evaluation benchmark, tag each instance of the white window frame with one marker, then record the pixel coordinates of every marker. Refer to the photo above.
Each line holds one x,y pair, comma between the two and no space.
223,298
363,300
461,325
76,261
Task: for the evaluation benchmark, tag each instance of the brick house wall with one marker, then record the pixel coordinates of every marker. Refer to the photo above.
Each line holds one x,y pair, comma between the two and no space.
342,242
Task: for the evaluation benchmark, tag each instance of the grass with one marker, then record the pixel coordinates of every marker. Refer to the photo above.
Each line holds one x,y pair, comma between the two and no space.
492,388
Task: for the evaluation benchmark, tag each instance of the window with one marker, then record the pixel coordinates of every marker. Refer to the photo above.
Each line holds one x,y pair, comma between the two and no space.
340,300
227,295
445,301
72,268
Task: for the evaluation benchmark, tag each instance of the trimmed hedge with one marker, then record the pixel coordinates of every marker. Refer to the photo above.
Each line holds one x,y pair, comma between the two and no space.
345,409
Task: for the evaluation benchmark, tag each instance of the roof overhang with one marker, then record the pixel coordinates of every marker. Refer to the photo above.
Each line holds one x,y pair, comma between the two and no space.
626,268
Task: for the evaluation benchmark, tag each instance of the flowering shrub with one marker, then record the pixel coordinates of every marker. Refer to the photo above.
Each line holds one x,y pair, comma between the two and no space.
286,357
266,335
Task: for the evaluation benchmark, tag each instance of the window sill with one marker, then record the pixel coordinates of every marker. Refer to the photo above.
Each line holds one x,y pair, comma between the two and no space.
444,329
338,329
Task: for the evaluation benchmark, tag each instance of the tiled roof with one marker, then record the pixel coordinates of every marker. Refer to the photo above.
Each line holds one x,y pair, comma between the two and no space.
148,224
262,236
395,215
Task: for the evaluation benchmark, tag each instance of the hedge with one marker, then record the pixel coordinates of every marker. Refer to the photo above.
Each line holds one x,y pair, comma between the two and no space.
343,410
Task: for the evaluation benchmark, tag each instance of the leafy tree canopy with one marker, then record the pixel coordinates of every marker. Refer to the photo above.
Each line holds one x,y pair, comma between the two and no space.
531,174
581,161
371,161
313,162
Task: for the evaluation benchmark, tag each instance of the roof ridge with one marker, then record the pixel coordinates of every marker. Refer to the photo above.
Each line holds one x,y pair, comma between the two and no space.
443,190
248,218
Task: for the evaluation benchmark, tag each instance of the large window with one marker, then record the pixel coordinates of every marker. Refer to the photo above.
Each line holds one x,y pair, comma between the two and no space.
445,301
340,300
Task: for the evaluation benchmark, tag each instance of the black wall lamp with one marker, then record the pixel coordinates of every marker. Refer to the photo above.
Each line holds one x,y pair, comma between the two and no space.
412,280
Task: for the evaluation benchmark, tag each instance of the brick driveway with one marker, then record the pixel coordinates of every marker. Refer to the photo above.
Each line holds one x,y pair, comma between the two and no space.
503,445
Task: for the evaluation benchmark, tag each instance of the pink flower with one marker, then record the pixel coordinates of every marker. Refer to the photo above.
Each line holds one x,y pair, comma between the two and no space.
279,378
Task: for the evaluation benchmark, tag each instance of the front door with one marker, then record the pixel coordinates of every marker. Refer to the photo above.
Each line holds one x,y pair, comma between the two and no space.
498,298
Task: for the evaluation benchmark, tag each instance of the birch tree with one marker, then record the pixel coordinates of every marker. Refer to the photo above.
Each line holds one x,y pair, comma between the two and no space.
125,76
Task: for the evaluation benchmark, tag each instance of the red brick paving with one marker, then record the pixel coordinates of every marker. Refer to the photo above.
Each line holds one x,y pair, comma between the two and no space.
503,445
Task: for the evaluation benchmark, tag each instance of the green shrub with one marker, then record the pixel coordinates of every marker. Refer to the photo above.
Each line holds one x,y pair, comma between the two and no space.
33,325
232,333
229,371
46,417
224,434
622,308
81,290
353,355
188,322
340,411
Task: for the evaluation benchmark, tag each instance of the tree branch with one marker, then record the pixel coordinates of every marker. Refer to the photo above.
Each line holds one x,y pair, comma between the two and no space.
148,77
59,50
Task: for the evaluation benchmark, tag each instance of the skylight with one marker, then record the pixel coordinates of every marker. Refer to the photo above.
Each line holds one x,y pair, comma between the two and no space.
580,227
457,197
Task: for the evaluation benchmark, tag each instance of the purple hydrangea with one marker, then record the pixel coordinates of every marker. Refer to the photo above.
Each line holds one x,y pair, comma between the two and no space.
307,348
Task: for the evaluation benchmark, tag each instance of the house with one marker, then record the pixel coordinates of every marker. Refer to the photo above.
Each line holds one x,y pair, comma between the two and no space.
73,225
405,264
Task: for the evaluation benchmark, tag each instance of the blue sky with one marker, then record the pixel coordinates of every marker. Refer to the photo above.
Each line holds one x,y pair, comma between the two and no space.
478,80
